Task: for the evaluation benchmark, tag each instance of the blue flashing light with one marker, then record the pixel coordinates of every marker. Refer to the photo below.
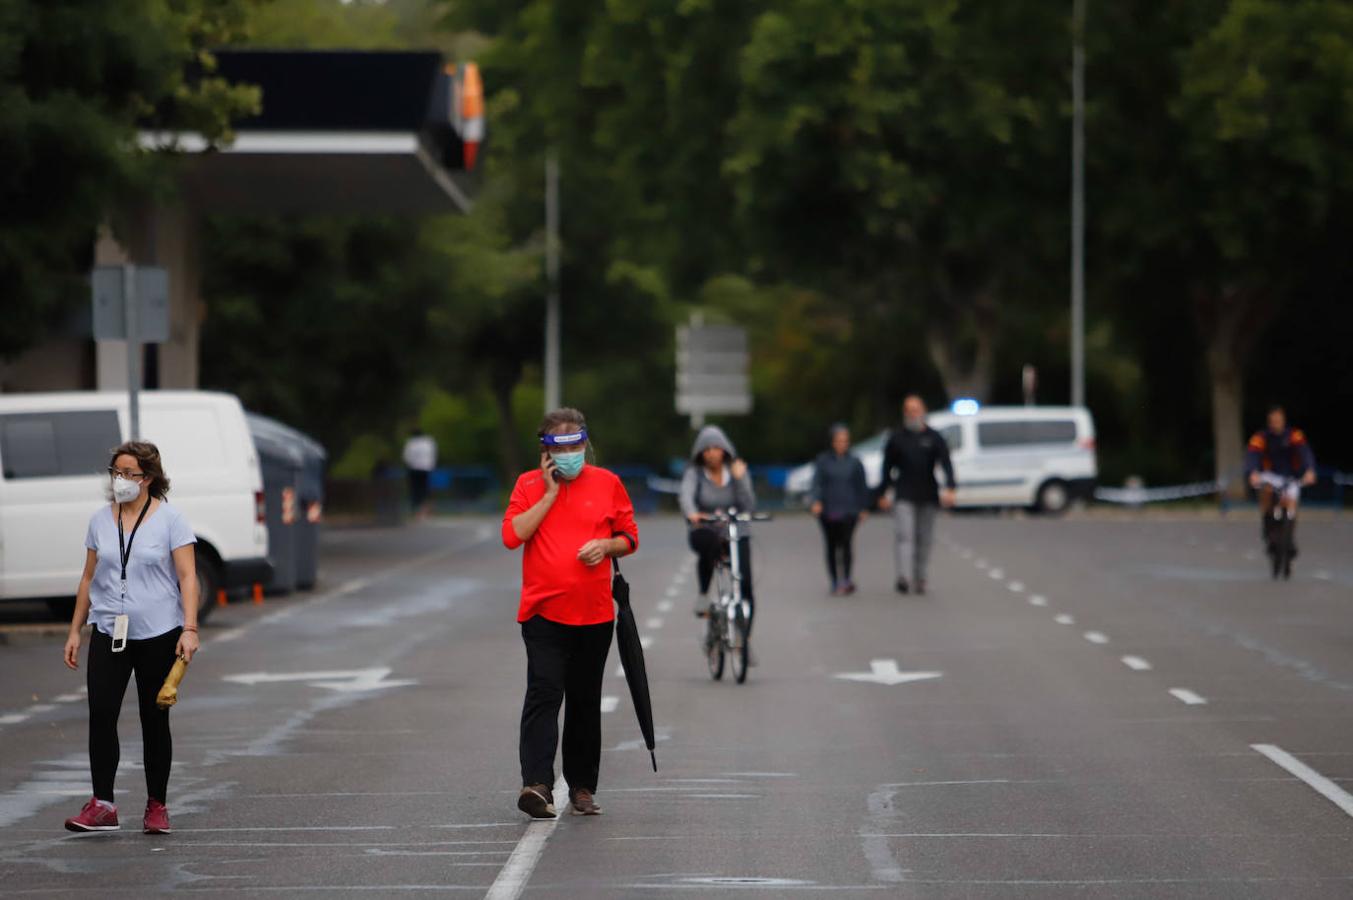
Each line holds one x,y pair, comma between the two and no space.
965,406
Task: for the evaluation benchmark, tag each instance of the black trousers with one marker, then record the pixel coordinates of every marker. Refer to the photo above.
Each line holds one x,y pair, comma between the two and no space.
107,676
709,544
564,665
839,535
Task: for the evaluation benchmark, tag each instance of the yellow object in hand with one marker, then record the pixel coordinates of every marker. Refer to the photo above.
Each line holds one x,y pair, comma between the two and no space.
169,693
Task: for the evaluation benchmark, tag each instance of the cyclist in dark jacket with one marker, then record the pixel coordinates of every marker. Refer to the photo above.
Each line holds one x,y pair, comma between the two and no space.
840,498
1281,451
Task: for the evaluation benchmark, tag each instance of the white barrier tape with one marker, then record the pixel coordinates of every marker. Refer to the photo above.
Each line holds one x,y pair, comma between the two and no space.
1138,496
664,485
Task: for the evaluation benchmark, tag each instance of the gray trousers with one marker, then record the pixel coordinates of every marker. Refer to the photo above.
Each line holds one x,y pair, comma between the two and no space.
914,526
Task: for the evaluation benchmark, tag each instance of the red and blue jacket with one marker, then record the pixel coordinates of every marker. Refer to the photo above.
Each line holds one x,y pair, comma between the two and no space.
1286,453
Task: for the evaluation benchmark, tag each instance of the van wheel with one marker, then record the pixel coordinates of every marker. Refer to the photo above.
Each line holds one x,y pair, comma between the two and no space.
208,584
1053,498
62,608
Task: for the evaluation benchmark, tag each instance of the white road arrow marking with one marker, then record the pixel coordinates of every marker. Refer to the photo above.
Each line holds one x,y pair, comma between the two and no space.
884,671
339,680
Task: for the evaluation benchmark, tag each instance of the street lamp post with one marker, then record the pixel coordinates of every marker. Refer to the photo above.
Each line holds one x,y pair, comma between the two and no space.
1078,204
552,368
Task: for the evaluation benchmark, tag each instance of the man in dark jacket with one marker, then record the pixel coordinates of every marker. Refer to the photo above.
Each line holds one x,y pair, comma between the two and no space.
909,489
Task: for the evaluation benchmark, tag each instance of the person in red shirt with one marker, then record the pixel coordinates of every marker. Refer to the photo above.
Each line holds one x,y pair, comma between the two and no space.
572,518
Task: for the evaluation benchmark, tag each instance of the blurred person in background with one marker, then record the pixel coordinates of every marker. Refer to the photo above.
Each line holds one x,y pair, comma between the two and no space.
909,489
840,501
420,458
716,480
1278,457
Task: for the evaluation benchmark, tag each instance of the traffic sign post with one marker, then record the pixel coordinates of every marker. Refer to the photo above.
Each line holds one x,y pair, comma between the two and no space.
712,371
131,303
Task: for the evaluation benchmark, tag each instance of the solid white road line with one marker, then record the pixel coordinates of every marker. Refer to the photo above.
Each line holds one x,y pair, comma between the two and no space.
609,703
1064,619
1136,663
1038,600
516,872
1184,695
1096,637
1319,783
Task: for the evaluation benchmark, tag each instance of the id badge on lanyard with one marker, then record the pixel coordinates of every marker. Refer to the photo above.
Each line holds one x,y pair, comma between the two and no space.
123,621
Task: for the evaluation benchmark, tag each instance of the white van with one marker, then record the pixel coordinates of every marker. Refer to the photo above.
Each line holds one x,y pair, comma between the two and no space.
1041,457
54,454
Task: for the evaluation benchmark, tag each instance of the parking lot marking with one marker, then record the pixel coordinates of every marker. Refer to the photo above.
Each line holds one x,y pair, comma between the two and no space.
1317,782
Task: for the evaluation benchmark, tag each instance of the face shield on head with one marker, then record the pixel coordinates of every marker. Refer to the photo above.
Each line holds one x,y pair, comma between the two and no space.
567,451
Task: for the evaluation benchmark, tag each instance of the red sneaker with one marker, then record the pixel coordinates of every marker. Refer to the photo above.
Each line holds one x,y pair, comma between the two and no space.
94,818
157,818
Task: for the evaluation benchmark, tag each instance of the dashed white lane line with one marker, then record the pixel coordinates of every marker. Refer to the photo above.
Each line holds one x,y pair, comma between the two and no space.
609,702
664,606
1096,637
13,719
673,591
516,872
1184,695
69,698
645,641
1038,600
1136,664
653,624
1064,619
996,574
1016,587
981,563
1317,782
620,671
40,708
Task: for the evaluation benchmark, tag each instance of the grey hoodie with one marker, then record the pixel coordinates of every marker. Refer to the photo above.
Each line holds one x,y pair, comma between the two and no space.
699,493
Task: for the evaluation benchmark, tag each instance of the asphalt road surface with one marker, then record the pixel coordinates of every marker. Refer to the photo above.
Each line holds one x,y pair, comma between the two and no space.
1080,708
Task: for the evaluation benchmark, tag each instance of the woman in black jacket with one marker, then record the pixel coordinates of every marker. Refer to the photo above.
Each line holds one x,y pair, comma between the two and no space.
840,498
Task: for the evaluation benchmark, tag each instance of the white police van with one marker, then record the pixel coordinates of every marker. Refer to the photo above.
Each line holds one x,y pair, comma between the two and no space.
54,455
1038,457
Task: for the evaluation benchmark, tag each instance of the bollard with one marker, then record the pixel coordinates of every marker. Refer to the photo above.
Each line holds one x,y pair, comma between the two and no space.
258,593
221,599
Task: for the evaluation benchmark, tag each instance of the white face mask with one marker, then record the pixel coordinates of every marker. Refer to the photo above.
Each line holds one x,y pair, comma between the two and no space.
125,490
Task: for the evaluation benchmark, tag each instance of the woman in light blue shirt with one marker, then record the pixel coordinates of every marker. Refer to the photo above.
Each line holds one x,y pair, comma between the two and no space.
139,591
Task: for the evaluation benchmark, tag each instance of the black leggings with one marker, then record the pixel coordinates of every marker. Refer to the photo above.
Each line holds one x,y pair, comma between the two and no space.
564,665
709,545
151,659
839,534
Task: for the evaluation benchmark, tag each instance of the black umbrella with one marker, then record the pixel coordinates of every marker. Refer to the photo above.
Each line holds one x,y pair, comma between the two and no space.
632,658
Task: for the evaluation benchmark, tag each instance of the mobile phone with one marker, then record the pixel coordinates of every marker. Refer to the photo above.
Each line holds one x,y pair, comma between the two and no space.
551,468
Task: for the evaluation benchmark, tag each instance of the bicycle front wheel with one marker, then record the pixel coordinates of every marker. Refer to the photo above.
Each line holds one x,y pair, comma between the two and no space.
741,647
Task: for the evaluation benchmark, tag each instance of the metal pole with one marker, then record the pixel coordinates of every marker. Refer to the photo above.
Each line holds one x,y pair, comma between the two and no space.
552,375
1078,205
132,314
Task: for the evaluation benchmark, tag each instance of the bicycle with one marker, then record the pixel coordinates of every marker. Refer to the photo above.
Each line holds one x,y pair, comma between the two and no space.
730,614
1280,521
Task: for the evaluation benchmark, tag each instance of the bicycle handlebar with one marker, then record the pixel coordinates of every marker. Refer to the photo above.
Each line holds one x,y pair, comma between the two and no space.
731,516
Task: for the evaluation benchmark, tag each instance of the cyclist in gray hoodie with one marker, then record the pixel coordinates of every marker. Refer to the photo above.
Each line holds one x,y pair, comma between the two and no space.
715,481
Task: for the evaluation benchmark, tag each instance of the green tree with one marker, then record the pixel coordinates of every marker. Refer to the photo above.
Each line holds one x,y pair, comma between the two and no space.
76,81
